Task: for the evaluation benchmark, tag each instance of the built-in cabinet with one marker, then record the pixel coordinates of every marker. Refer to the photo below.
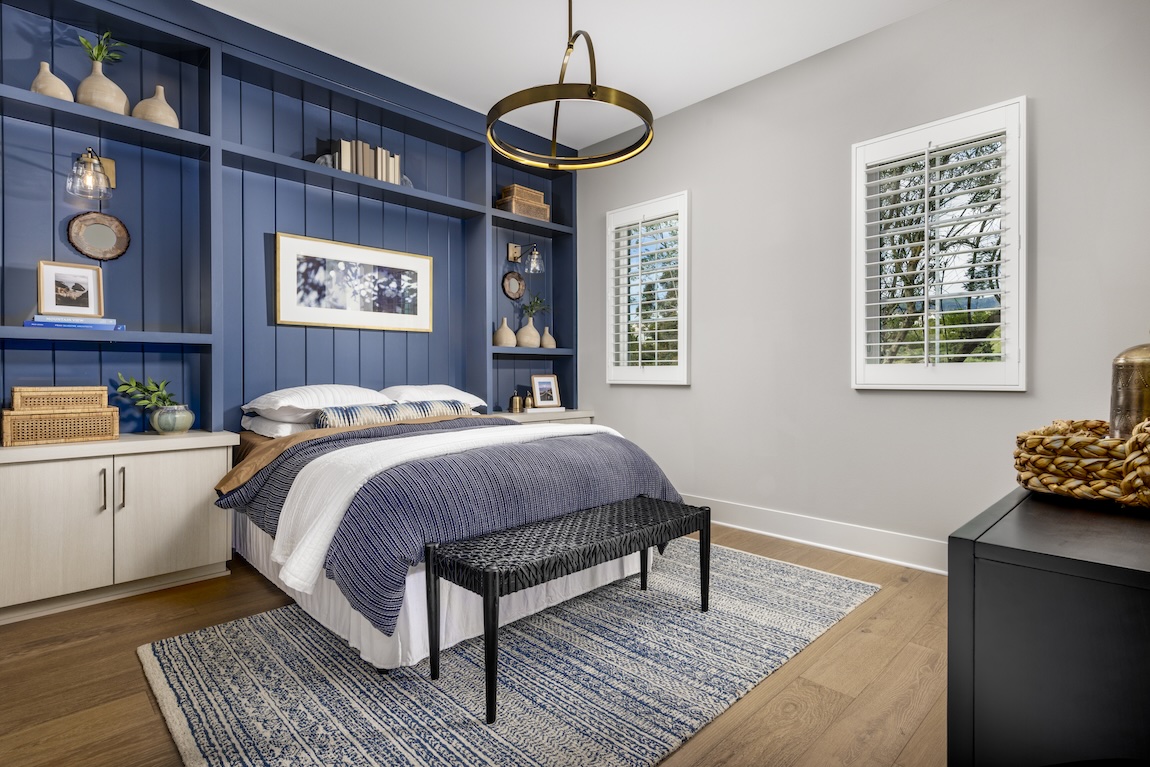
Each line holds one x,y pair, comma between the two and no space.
84,518
203,202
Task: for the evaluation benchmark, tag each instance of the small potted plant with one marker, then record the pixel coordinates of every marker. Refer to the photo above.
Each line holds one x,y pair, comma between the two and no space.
165,414
96,90
528,335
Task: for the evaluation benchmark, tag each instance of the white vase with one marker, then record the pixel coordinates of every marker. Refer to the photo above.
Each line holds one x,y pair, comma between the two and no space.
96,90
504,336
48,84
157,110
527,336
547,341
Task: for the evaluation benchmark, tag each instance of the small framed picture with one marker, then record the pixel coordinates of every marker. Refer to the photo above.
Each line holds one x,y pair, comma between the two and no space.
545,390
70,289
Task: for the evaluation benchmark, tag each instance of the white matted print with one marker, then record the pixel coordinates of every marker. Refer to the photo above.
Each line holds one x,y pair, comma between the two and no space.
70,289
545,390
335,284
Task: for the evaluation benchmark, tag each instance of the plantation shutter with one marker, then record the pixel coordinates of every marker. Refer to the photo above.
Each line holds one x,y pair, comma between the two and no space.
939,264
647,291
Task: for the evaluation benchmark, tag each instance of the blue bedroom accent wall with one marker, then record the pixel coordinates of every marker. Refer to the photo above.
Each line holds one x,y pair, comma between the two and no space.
202,204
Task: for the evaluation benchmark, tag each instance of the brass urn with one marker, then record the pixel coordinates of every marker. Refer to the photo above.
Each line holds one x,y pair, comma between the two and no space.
1130,391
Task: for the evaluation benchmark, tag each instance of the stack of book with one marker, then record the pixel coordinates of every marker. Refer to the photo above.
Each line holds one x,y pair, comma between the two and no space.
355,156
65,321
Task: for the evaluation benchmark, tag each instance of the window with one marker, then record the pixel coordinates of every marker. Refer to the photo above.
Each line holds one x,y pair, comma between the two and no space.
939,259
647,248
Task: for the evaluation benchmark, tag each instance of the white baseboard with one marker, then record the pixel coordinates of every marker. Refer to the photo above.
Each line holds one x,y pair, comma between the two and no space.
897,548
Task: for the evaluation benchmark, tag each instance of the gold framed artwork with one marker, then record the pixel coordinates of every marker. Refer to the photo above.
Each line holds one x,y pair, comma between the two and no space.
339,285
545,390
72,290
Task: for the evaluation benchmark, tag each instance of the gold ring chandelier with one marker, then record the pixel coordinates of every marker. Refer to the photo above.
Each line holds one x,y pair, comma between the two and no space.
560,92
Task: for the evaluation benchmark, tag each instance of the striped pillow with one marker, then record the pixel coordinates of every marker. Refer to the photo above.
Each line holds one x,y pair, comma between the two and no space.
369,415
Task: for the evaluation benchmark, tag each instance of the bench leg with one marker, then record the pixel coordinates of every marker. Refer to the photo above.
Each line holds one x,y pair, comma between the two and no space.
705,558
432,572
644,553
491,637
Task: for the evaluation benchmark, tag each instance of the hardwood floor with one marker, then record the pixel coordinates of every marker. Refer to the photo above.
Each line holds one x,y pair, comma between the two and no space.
871,691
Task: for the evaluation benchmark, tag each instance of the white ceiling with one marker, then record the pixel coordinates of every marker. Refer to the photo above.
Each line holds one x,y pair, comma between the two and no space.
668,53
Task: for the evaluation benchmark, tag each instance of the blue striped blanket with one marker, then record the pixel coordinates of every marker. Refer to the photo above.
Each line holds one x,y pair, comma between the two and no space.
448,497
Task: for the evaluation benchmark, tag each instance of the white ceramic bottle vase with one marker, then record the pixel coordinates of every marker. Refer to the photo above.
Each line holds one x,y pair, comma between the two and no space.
157,110
48,84
96,90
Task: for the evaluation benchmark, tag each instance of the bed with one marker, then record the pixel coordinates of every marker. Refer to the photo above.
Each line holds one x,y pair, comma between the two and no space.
336,513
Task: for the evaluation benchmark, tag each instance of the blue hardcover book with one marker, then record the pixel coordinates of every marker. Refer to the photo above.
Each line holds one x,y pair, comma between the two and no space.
71,325
73,320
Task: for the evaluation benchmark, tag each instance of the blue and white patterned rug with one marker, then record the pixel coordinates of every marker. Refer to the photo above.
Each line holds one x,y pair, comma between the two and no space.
615,677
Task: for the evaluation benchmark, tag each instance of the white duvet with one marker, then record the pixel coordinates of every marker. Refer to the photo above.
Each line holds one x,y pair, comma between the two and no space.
323,489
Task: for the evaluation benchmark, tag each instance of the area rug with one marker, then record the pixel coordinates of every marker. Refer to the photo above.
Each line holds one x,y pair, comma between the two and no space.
619,676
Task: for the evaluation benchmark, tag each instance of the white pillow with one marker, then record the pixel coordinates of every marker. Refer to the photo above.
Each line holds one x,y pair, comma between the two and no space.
413,393
300,404
269,428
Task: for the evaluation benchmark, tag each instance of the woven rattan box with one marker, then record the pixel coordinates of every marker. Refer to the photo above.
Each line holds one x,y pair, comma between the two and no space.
43,415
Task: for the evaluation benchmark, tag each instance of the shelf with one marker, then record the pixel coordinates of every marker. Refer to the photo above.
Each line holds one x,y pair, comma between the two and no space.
66,115
521,351
528,225
19,332
279,166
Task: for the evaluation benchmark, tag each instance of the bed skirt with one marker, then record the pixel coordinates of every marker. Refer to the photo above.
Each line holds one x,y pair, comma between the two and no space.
461,611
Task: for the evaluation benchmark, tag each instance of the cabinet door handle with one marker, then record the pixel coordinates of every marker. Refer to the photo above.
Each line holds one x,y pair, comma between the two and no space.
104,492
123,486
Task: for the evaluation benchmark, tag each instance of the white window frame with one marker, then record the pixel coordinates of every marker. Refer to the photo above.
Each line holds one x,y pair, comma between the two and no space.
1009,374
672,375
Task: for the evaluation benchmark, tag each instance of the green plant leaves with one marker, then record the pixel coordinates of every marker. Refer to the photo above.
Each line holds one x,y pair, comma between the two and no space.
146,395
102,50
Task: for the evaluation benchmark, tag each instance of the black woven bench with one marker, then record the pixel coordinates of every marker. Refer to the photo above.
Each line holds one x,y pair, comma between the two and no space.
506,561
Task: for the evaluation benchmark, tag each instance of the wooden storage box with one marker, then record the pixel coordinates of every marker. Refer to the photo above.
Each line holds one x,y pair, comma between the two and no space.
521,207
59,397
42,427
524,193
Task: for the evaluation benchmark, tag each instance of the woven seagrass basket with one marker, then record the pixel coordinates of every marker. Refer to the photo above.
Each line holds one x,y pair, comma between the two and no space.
1080,459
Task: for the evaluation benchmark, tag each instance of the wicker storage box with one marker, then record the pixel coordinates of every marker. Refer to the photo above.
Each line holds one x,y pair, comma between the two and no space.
515,191
1080,459
524,208
59,397
42,427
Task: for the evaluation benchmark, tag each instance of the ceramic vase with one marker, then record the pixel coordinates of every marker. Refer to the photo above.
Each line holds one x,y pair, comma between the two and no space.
157,110
48,84
547,341
96,90
504,336
171,419
527,336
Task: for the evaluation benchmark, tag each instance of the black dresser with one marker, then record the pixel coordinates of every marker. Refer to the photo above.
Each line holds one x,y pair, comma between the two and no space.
1049,633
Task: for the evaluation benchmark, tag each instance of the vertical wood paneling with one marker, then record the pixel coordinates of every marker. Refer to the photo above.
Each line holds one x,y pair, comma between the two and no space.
394,342
25,39
448,363
287,127
29,221
152,70
237,336
232,117
437,167
255,226
124,276
194,234
438,343
129,360
255,108
159,248
290,341
69,61
415,165
417,343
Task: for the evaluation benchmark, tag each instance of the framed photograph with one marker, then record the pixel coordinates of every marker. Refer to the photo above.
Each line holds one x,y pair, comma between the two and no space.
337,285
70,289
545,390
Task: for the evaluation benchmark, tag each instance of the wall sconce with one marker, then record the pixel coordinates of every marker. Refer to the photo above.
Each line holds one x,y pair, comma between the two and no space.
88,177
534,263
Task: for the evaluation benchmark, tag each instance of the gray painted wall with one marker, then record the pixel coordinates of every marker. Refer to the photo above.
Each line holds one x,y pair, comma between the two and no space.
770,431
